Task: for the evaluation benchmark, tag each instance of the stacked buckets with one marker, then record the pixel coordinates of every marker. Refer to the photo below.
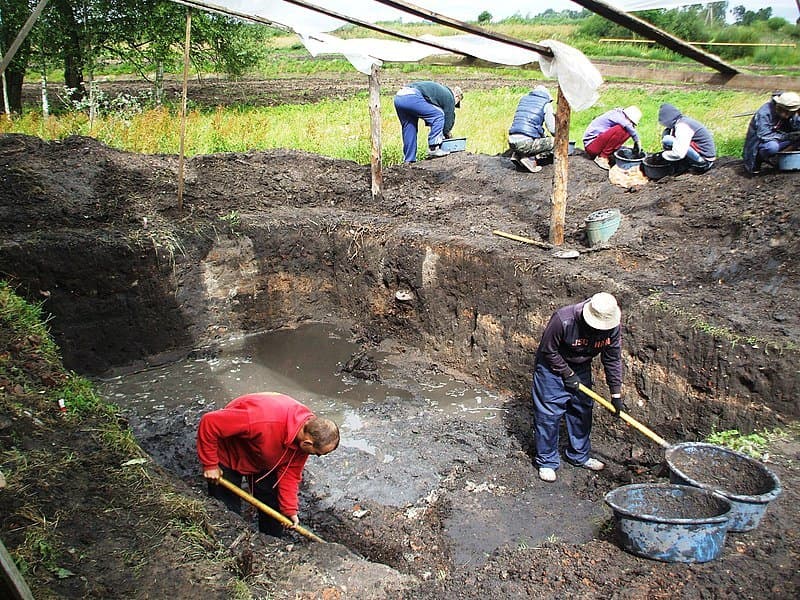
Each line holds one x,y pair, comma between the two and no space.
712,490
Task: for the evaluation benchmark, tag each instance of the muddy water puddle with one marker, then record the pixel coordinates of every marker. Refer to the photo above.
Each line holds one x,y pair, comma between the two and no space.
308,363
406,430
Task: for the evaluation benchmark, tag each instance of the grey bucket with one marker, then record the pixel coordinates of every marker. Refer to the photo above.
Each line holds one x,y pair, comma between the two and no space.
746,483
669,522
601,225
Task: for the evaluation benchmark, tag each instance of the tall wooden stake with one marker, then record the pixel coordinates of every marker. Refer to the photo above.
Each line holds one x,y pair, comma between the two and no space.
375,132
183,106
560,171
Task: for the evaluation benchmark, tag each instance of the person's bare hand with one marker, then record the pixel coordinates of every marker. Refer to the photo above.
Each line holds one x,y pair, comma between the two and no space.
212,475
295,522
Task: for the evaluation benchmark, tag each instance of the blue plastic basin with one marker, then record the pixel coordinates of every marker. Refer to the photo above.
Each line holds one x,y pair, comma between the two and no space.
454,144
745,482
789,160
669,522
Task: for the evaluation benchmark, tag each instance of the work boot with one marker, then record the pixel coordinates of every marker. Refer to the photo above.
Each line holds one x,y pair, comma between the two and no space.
593,465
547,474
436,152
602,162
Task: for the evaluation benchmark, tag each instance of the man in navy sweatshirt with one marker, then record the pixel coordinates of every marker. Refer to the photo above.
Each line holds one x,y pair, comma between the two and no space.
573,337
435,104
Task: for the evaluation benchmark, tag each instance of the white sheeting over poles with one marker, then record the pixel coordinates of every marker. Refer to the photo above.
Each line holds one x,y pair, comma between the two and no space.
576,75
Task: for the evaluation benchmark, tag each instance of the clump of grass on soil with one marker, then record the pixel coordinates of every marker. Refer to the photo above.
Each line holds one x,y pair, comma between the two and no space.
49,458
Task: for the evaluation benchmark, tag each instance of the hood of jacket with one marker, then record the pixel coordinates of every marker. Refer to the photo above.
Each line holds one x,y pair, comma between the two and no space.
668,115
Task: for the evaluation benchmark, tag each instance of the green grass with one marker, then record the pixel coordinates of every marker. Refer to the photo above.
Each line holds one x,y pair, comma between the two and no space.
341,128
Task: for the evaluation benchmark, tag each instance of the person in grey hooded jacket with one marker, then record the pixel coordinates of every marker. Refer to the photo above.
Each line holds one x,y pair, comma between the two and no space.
774,127
687,143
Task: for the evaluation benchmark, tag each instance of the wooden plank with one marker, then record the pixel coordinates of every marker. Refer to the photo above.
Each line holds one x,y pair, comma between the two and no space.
181,153
23,33
558,210
647,30
460,25
375,132
662,74
12,584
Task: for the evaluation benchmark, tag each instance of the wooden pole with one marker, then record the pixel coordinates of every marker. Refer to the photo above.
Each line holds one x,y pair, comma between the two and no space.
282,519
637,25
183,106
560,171
375,132
11,580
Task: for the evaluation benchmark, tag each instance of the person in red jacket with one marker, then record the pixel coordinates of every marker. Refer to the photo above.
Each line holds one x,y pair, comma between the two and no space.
266,437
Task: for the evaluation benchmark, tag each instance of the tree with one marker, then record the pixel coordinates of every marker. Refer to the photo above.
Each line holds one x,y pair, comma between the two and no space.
13,14
485,17
149,34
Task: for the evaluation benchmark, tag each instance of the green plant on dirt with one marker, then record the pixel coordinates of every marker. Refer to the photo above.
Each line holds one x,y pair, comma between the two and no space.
233,219
755,444
340,128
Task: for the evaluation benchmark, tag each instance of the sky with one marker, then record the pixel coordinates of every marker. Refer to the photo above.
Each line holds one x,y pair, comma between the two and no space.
464,10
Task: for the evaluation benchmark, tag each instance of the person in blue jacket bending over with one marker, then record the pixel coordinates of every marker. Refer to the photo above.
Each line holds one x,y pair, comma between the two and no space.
435,104
574,335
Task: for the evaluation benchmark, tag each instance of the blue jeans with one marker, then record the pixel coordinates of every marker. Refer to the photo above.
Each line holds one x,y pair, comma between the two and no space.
768,149
551,401
410,108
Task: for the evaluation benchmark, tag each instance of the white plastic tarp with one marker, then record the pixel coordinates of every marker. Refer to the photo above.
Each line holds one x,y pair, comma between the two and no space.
578,78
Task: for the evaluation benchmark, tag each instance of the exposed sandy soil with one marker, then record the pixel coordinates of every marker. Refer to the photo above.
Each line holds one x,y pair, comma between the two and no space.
718,249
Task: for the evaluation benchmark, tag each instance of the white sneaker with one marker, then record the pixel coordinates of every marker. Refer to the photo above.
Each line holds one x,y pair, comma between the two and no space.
548,475
602,163
437,153
593,465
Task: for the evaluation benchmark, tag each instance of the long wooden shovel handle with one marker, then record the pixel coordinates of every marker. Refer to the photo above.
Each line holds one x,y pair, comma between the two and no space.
283,519
624,416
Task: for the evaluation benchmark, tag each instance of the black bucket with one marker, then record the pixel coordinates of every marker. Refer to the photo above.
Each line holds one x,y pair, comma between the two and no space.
656,167
625,158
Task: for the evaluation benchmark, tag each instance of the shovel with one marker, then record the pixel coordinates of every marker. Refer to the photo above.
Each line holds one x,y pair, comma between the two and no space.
625,417
270,511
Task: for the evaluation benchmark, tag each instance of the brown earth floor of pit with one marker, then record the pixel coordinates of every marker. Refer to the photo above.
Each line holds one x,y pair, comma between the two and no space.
704,266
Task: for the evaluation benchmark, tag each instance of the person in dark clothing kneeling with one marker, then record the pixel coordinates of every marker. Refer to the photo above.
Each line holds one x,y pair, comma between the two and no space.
574,335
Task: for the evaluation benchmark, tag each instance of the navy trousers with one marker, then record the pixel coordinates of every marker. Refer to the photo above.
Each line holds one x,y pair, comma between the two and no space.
410,108
551,401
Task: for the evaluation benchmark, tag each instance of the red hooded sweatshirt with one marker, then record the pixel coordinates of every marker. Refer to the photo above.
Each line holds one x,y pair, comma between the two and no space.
256,433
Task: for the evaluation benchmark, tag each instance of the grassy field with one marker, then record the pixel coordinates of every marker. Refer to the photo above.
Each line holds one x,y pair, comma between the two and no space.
340,128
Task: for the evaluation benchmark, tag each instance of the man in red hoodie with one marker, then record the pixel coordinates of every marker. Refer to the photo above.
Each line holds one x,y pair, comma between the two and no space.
267,438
